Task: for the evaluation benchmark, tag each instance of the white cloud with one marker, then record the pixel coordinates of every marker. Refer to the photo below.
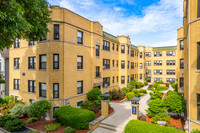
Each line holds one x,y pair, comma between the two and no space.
157,26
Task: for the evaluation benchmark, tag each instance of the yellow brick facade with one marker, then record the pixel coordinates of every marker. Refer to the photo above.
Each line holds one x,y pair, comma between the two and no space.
190,35
68,49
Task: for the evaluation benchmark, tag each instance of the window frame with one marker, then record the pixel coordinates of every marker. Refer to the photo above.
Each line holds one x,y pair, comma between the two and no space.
122,49
54,92
33,85
40,62
16,86
33,64
16,63
54,62
81,88
97,50
122,79
56,35
80,39
80,64
42,91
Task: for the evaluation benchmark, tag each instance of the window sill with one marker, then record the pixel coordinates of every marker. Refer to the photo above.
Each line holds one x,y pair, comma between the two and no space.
31,69
55,69
106,69
42,97
198,71
42,69
31,92
79,69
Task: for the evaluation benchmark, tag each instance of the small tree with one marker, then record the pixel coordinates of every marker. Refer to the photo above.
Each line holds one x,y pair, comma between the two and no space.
39,108
94,94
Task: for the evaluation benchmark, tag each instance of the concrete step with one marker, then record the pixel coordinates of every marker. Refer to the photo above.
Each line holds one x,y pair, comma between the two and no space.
117,129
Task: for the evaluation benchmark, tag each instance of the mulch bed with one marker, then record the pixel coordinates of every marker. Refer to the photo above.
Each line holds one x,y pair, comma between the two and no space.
178,123
119,100
39,125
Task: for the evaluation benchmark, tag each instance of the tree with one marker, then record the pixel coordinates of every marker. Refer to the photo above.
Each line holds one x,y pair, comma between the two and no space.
2,81
25,19
39,108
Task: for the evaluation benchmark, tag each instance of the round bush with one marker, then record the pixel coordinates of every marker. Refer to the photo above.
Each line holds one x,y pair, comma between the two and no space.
94,94
155,106
74,117
136,126
145,83
19,110
39,108
125,89
69,130
116,94
129,95
15,125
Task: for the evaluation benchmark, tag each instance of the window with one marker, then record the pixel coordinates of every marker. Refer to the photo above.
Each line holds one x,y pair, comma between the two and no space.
127,79
170,53
97,71
157,63
140,65
128,65
198,56
198,100
117,79
171,72
56,32
113,46
122,49
31,43
113,79
43,61
97,50
122,64
16,63
198,8
122,79
181,64
128,49
17,43
106,82
148,63
55,90
42,89
170,79
54,108
132,77
157,72
148,72
31,86
79,87
106,64
106,45
79,62
117,48
140,54
31,62
140,76
80,37
181,45
55,61
78,104
157,79
132,65
132,53
181,82
157,54
113,63
31,101
117,63
148,54
16,84
171,62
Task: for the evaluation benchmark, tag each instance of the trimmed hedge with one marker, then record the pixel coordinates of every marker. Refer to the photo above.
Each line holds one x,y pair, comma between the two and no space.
155,106
156,94
74,117
136,126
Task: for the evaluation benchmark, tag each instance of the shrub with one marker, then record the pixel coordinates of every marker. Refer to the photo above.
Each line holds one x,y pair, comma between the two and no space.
33,132
143,91
94,94
4,119
141,94
160,117
195,131
19,110
145,83
133,83
171,82
156,94
155,106
136,126
74,117
155,85
175,103
160,82
136,92
31,120
139,84
52,127
15,125
88,105
161,88
174,86
116,94
125,90
69,130
148,79
39,108
129,95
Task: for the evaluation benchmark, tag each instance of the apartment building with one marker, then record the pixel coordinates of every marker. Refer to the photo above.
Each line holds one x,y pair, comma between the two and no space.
188,47
76,56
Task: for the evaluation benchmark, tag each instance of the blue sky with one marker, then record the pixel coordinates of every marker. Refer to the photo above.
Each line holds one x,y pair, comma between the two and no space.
147,22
